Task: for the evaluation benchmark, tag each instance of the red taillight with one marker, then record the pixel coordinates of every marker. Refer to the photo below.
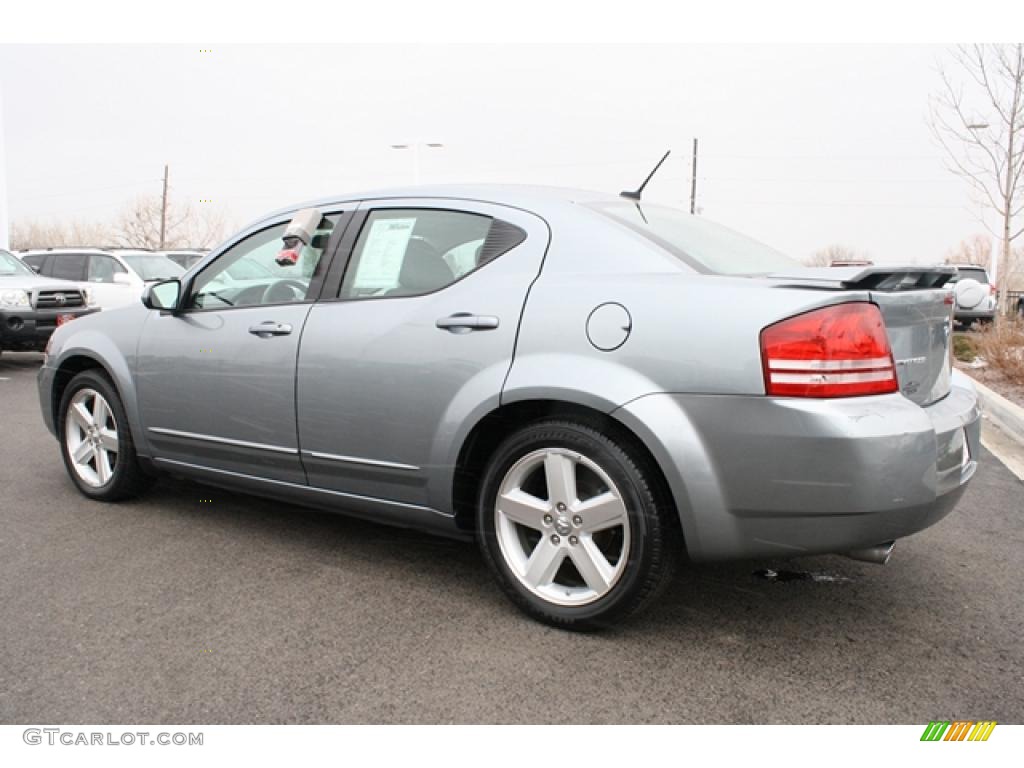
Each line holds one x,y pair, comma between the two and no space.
992,289
838,351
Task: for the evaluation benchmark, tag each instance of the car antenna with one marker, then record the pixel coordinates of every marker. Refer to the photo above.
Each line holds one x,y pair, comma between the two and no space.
640,190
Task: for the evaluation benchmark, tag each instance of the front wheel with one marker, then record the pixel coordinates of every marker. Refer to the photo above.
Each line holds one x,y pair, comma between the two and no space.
568,522
96,444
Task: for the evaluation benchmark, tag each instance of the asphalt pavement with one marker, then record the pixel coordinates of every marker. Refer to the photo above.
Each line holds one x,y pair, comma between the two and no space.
196,605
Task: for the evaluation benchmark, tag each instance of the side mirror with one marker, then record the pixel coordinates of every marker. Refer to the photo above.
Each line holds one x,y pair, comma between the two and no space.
164,295
122,278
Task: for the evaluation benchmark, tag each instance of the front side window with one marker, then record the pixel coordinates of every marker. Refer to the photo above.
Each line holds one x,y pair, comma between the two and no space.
408,252
35,260
250,274
68,266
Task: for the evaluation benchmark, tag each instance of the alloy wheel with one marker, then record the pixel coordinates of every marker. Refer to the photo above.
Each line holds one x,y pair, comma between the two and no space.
91,438
562,526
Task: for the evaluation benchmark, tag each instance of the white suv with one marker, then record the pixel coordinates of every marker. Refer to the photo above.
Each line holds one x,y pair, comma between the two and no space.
975,295
116,276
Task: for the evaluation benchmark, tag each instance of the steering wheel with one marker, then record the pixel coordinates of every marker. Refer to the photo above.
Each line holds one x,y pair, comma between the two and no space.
283,291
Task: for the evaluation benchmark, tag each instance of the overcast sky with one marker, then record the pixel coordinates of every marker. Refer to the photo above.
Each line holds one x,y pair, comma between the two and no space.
800,146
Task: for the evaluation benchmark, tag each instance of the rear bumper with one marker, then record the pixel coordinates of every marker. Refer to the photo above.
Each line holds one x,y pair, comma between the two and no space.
974,314
761,476
29,329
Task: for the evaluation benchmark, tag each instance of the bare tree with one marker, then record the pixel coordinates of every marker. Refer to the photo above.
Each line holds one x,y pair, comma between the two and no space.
186,227
825,256
976,250
982,133
37,234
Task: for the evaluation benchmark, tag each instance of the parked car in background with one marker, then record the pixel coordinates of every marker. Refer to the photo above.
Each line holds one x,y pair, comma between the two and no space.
31,307
186,258
850,263
974,295
520,365
116,276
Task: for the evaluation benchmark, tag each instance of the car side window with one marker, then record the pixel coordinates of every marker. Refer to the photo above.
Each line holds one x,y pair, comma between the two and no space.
409,252
249,273
68,266
102,268
35,260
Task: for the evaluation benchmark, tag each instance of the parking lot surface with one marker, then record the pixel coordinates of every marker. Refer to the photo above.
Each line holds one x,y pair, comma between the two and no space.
195,605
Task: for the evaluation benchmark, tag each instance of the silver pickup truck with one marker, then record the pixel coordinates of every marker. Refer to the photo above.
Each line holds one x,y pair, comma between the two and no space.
31,307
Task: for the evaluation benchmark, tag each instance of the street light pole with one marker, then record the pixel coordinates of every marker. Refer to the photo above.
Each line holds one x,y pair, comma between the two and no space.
1004,245
163,209
5,239
693,181
415,147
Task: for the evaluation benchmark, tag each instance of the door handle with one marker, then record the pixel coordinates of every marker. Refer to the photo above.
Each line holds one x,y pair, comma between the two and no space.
464,322
270,328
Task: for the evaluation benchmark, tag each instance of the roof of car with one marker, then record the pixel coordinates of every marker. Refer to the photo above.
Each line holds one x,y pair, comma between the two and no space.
65,249
97,249
517,195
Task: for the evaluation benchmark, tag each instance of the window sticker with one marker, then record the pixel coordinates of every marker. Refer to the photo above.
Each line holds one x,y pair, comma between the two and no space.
383,252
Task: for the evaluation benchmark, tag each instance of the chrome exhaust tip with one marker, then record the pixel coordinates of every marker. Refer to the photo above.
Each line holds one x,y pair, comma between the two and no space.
878,554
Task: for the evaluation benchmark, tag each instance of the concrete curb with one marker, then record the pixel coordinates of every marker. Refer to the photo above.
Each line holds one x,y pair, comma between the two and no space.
1008,416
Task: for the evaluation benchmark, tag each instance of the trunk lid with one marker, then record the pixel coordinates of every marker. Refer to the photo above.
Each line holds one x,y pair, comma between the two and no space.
917,308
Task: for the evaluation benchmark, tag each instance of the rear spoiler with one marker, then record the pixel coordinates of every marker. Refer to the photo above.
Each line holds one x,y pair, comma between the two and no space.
873,278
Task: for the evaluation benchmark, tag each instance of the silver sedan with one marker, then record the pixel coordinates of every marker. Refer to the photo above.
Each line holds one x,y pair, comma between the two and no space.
594,387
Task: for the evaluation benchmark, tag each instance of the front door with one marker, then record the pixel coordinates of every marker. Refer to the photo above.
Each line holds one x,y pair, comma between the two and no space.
417,339
217,381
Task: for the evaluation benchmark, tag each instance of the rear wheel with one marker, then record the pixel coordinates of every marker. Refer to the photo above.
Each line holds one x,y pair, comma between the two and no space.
568,522
96,443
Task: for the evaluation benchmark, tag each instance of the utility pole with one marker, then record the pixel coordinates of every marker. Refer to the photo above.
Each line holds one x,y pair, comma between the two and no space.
693,181
163,210
4,224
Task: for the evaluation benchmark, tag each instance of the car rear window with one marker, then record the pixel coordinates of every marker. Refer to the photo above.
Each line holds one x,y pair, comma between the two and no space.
973,274
700,243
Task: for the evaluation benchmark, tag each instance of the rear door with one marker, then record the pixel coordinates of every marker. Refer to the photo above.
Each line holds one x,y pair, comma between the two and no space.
414,338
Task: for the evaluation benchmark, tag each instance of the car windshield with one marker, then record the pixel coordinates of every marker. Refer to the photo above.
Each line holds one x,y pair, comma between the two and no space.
152,266
703,244
11,266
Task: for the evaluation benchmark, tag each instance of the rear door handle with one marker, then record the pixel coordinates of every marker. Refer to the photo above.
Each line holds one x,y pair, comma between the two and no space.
270,328
464,322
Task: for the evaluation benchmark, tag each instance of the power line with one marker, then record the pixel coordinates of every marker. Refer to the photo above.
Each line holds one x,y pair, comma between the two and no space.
87,191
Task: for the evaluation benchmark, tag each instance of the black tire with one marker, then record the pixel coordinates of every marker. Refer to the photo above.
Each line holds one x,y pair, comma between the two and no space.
655,545
127,478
